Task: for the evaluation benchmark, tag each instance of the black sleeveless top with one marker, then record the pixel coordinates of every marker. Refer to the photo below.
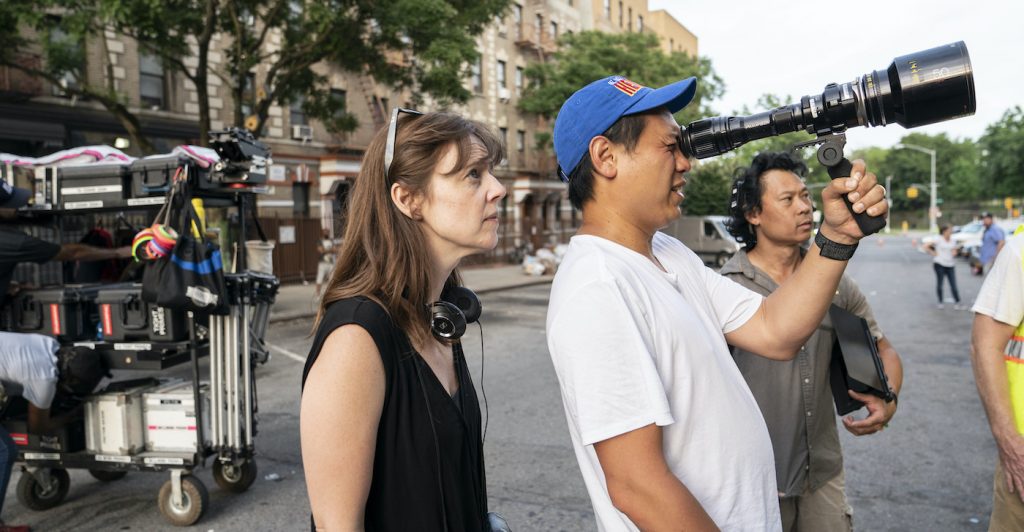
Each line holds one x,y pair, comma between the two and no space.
408,491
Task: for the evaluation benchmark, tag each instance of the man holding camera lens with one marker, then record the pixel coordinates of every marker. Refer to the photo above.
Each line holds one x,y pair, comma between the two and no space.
666,431
770,213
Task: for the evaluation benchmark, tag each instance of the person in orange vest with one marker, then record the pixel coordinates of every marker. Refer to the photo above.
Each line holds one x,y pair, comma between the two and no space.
997,355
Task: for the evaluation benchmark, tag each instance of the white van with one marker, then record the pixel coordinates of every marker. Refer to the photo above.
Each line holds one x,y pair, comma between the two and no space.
706,236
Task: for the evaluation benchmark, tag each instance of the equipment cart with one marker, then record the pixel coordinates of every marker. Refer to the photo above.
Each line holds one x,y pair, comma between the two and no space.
155,423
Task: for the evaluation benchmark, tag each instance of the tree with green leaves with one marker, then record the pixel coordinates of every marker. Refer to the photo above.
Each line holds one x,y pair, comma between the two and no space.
586,56
957,170
276,51
1002,169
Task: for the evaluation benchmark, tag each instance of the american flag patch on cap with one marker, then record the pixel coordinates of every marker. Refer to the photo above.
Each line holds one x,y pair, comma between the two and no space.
625,85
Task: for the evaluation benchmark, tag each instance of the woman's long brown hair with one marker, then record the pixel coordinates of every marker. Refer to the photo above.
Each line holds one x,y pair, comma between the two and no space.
383,255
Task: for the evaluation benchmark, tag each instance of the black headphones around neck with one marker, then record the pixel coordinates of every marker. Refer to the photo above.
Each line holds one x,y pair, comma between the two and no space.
458,307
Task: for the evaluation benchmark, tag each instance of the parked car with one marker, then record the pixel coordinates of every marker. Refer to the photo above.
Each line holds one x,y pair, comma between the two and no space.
706,236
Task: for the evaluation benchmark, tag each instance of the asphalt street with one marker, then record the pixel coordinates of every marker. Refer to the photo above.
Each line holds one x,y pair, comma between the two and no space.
931,470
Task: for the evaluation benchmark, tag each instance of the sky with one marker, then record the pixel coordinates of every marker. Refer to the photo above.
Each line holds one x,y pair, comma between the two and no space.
794,48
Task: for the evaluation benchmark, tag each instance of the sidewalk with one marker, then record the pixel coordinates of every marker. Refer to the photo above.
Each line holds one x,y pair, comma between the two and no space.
296,301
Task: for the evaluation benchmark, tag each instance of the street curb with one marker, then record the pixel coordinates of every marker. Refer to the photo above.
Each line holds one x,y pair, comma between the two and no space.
297,315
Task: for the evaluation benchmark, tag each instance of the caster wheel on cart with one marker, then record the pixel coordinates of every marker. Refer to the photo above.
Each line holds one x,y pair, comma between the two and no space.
107,476
234,478
194,499
35,496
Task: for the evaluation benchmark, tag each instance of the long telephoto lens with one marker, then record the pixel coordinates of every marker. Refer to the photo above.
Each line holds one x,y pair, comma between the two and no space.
916,89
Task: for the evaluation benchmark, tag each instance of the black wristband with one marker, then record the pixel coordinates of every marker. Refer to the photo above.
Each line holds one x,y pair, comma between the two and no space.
833,250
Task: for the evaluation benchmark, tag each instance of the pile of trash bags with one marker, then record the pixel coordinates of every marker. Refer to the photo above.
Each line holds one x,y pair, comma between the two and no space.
545,261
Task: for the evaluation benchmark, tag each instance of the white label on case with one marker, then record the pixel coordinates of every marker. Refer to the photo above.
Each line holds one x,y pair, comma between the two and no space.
99,189
113,458
42,456
165,461
83,205
132,347
158,200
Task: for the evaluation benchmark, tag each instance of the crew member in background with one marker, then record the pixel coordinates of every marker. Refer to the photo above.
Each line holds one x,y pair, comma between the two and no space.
997,350
28,368
17,247
326,250
992,241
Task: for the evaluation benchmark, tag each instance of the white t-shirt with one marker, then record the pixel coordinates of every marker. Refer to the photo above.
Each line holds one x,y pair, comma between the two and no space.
1002,294
31,361
633,345
944,252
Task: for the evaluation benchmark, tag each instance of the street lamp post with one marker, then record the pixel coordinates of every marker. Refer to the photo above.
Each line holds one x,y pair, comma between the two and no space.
933,209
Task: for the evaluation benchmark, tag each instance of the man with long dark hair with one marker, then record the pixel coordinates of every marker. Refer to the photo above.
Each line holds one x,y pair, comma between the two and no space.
770,213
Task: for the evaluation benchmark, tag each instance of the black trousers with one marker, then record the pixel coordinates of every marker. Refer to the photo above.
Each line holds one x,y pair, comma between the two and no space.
950,273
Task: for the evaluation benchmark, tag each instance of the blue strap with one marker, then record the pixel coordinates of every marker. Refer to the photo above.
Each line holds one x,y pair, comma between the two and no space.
206,267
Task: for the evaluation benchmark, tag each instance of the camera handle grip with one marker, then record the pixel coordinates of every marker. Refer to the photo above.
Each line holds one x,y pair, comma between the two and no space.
868,224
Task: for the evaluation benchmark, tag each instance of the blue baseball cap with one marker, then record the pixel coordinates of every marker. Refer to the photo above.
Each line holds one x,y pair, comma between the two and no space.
11,197
594,108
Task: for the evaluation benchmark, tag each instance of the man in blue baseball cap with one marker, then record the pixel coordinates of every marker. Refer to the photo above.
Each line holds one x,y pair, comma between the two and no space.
665,429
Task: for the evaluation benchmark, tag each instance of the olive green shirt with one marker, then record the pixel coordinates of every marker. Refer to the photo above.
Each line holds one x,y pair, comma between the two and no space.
794,395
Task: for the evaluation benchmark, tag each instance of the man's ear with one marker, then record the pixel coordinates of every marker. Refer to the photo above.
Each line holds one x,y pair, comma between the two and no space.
602,154
754,217
406,201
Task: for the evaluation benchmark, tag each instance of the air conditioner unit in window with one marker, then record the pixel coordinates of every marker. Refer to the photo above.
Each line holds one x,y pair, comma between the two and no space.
504,94
302,133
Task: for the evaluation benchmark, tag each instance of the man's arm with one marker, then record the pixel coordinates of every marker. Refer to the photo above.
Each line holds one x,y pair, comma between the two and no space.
879,411
791,313
86,253
642,486
988,339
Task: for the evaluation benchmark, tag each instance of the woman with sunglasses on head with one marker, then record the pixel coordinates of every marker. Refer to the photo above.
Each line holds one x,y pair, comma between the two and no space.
390,424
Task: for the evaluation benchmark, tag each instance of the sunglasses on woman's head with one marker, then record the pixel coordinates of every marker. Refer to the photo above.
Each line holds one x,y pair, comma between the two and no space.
389,149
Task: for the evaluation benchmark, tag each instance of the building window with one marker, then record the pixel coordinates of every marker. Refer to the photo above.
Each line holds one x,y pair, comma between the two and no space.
502,81
519,81
339,98
300,199
621,14
151,82
554,30
68,79
608,9
249,95
296,116
517,20
520,141
477,77
640,23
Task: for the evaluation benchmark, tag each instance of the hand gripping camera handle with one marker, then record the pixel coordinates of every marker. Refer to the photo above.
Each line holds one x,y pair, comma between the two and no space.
868,224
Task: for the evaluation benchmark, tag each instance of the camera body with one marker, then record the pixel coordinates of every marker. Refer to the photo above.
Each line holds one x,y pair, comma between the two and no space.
244,161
